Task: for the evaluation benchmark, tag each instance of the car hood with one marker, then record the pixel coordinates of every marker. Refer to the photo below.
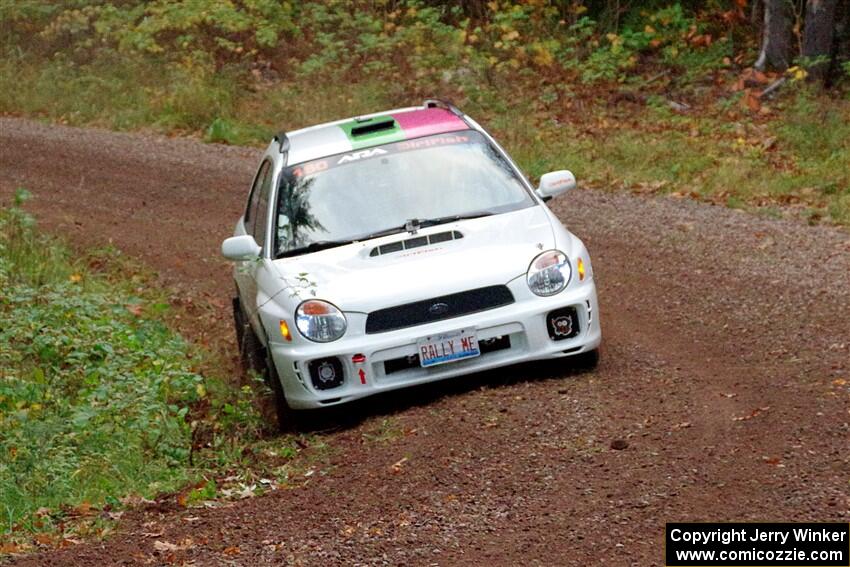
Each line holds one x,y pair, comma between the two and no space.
493,250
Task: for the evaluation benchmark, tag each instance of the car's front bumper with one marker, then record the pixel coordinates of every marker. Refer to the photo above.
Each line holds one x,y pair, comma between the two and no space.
524,322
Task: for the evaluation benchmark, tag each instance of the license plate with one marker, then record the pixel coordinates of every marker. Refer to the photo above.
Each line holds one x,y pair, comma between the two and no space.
448,347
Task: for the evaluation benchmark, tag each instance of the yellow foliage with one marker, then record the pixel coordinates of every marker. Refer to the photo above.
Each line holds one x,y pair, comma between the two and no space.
542,56
797,73
510,36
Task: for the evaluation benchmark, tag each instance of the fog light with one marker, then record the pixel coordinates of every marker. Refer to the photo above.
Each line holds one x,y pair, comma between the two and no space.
326,373
562,323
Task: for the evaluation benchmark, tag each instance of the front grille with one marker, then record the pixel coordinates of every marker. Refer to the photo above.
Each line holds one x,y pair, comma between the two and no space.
438,308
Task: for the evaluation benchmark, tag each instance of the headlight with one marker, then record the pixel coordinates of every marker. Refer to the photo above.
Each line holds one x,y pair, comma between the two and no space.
319,321
549,273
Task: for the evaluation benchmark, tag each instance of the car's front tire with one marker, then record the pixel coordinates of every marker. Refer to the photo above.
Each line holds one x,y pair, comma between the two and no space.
255,359
285,415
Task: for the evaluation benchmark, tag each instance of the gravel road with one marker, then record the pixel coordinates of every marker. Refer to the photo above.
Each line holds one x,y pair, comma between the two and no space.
725,374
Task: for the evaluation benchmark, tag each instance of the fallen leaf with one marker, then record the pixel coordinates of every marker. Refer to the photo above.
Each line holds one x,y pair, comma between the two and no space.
232,550
187,543
396,467
11,548
84,509
135,309
161,545
751,100
44,539
752,414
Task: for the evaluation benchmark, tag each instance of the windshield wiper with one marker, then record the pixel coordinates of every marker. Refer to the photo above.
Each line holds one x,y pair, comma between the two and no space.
314,247
380,233
422,223
412,225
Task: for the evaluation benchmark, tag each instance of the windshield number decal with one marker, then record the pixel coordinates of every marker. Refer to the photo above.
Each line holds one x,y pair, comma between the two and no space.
310,168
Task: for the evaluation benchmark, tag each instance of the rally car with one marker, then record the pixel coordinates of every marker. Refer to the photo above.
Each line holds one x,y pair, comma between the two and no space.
399,248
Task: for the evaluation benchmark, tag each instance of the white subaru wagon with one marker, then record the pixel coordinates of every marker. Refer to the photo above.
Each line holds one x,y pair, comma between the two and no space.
399,248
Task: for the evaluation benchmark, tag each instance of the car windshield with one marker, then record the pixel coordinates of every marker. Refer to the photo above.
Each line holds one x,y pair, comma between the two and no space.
359,195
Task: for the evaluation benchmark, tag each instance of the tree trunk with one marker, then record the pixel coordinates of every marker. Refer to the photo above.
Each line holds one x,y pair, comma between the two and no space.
842,32
818,37
757,13
776,47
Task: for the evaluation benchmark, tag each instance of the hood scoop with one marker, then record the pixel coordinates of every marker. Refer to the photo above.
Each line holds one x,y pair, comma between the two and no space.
415,242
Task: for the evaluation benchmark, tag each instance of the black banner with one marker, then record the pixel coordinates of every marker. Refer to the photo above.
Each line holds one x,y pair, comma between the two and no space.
758,545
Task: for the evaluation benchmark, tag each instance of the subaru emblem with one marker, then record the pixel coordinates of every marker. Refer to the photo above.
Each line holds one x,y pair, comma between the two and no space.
439,309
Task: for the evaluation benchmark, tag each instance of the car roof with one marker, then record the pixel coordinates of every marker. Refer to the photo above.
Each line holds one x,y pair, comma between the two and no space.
350,134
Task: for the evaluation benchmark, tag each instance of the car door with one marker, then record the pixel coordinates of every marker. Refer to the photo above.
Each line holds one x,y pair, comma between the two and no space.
255,222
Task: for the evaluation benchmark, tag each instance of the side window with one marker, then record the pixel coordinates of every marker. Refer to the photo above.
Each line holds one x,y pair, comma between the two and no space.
251,209
261,213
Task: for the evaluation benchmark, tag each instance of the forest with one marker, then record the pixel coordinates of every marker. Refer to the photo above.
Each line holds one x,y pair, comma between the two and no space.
750,97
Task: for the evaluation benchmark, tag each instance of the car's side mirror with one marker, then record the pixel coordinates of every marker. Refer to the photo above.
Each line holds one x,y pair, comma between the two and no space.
241,248
555,183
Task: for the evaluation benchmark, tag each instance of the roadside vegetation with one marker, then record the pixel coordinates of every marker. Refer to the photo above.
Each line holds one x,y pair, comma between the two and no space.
651,97
102,405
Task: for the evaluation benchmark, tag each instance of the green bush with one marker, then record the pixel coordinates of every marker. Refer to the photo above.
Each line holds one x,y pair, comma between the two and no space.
94,395
414,38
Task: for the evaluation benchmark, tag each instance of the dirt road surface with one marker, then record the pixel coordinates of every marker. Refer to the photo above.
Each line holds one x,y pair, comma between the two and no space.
725,369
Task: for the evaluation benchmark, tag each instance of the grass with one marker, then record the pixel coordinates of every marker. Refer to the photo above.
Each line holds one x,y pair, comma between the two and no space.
102,404
120,93
94,393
